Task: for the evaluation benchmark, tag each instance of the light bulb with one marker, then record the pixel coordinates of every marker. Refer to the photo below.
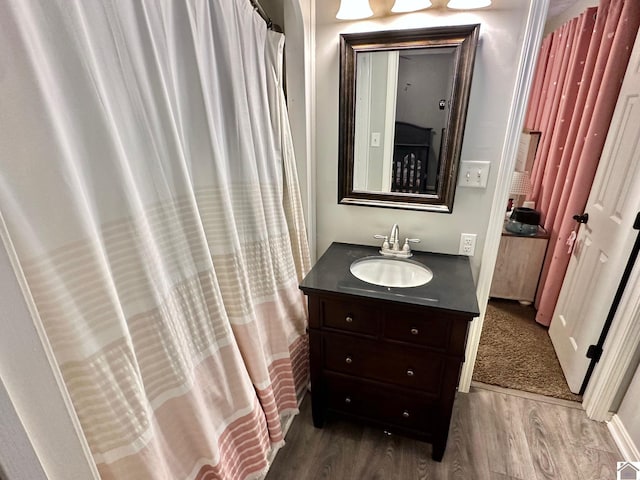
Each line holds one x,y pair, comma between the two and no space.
468,4
354,10
410,5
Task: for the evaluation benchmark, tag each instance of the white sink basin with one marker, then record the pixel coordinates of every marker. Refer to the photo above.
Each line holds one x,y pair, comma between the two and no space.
391,272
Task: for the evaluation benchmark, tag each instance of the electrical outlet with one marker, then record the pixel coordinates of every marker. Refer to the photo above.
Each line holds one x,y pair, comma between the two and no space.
467,244
473,174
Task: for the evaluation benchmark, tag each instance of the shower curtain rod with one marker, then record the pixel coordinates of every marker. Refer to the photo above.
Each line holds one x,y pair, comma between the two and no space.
266,17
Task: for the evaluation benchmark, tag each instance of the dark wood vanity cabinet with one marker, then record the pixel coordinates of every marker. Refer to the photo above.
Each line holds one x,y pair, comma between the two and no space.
388,356
396,366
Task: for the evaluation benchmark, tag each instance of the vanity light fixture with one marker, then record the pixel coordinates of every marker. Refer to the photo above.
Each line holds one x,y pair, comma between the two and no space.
468,4
354,10
410,5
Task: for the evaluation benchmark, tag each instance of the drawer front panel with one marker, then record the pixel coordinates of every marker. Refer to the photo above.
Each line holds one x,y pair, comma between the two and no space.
386,405
349,317
401,365
412,327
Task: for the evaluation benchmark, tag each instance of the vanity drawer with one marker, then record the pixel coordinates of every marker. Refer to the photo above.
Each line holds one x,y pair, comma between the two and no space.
350,317
398,364
383,404
419,328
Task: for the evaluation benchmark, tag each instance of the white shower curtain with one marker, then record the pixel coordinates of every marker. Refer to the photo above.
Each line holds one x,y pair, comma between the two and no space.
148,186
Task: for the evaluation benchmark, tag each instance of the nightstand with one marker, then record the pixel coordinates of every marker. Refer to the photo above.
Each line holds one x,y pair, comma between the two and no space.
518,267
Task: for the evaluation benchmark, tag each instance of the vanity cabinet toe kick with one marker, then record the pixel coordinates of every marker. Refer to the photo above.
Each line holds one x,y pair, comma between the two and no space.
391,365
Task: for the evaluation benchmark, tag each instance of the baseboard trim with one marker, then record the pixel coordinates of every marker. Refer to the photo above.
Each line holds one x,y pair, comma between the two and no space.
623,440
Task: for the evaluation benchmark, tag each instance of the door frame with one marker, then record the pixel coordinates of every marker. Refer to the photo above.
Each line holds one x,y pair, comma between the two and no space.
623,338
390,119
618,352
361,146
534,30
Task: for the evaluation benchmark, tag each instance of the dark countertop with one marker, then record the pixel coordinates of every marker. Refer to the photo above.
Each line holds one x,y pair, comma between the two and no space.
451,288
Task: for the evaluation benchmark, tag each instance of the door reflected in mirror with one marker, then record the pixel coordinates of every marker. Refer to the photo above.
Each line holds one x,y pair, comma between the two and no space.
402,109
403,104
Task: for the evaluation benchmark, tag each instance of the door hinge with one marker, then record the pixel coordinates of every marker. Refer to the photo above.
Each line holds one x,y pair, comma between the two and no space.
594,352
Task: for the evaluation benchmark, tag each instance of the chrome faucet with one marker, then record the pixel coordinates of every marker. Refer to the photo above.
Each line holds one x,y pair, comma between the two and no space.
391,244
394,241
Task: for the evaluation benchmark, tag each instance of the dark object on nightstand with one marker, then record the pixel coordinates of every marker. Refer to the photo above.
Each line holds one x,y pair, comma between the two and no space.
525,215
523,221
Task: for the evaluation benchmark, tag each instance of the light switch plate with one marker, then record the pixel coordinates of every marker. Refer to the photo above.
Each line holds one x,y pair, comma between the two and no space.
375,139
473,173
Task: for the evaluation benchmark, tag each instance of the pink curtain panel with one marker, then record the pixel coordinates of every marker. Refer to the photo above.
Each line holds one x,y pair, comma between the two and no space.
576,84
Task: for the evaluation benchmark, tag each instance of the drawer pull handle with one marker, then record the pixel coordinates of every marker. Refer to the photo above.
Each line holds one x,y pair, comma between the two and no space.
414,331
347,400
348,319
405,414
410,372
348,360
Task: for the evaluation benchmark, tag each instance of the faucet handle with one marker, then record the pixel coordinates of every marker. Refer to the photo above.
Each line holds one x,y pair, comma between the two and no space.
406,248
385,243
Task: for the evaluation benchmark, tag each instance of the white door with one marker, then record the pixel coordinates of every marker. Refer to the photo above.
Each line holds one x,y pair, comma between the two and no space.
605,241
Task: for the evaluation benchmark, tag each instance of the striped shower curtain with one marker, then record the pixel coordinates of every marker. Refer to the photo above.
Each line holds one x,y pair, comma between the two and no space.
147,183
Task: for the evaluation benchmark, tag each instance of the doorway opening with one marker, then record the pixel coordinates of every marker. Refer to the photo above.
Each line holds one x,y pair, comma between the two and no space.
583,261
516,352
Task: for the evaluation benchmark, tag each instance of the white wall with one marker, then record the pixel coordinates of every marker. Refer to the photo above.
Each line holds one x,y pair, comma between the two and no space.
629,412
18,461
422,82
33,392
501,39
426,78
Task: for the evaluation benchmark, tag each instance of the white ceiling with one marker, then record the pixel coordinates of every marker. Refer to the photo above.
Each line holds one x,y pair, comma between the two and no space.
556,7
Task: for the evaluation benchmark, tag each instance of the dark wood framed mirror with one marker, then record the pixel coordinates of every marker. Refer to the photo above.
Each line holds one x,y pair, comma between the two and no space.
403,107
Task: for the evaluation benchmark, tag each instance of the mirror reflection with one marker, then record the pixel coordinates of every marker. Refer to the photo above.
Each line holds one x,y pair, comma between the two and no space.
402,109
403,106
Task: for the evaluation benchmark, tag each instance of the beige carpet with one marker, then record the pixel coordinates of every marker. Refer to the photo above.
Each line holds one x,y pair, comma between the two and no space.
516,352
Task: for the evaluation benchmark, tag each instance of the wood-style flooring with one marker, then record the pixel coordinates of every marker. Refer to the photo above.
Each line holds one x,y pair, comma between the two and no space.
494,435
